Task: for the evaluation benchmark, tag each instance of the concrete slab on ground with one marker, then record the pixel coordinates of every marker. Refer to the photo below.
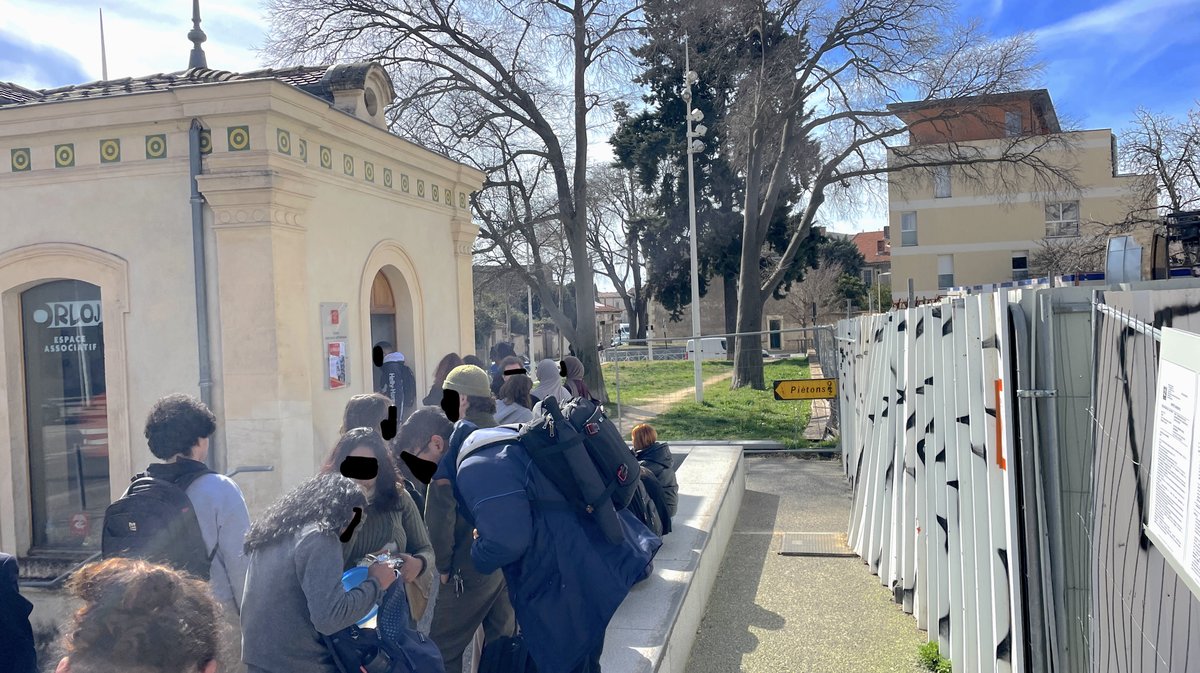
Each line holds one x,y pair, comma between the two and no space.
773,613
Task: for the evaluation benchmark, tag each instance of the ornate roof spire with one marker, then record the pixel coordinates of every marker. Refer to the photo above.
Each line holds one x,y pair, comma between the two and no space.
197,36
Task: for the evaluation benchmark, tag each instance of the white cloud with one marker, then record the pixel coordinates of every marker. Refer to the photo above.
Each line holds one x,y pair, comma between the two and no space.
140,38
1122,20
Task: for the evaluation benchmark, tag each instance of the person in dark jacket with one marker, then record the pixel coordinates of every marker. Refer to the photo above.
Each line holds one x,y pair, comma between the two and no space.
16,635
466,598
656,456
501,352
444,367
397,381
566,580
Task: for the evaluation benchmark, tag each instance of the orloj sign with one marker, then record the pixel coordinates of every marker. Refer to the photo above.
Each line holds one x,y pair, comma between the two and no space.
61,314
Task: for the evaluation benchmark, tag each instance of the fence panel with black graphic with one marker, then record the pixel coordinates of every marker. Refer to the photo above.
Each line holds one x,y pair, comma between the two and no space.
1143,617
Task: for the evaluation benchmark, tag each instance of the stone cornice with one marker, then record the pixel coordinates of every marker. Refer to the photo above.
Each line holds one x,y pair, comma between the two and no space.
262,193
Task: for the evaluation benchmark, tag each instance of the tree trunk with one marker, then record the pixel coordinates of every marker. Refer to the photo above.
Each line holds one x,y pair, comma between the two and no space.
747,357
731,304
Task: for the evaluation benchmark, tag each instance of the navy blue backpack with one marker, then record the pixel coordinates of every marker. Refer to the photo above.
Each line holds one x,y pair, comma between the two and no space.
394,646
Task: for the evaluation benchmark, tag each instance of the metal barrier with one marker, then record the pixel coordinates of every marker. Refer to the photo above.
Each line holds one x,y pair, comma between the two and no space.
998,447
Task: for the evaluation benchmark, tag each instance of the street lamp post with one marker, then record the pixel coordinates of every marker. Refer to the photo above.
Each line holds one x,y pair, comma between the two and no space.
694,144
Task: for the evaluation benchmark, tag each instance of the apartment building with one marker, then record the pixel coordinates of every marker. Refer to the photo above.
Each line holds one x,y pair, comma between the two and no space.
949,229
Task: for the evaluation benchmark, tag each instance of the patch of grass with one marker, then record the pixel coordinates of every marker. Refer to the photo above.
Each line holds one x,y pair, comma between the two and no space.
743,413
642,381
932,659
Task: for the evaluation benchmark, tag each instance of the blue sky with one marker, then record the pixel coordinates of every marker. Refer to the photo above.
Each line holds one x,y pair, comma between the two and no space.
1103,57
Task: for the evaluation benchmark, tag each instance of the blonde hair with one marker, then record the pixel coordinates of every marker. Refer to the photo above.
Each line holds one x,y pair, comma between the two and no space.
643,435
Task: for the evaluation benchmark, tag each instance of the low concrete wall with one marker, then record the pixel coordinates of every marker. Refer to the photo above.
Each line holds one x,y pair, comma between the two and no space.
654,628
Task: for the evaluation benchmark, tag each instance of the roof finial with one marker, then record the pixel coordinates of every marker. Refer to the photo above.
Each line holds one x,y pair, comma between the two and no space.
197,36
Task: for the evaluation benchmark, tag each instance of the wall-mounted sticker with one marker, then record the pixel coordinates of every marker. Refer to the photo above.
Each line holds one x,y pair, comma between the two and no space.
335,321
335,351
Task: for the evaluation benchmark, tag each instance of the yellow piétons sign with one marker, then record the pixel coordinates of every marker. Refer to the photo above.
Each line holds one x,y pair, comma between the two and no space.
806,389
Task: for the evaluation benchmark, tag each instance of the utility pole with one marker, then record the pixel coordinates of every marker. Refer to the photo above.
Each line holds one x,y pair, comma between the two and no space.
694,145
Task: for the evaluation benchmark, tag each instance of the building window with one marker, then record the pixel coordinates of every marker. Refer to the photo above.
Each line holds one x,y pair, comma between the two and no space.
867,276
908,229
775,338
941,182
67,413
1062,219
1013,124
1020,265
945,272
881,247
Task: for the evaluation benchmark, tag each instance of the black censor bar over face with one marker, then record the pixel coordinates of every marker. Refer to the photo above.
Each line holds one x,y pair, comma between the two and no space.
513,372
349,532
359,467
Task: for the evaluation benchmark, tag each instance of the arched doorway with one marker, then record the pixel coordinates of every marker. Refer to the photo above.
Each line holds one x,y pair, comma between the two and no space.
383,318
65,388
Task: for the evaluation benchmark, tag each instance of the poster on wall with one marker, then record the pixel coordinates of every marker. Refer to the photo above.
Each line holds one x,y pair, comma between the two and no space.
336,353
334,321
1174,502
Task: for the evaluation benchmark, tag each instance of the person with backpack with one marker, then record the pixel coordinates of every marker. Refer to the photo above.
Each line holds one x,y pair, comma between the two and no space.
397,380
139,616
566,576
656,456
182,514
294,592
466,598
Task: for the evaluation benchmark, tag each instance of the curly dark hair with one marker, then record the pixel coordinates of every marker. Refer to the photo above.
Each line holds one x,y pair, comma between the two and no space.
365,411
138,617
326,501
388,483
176,423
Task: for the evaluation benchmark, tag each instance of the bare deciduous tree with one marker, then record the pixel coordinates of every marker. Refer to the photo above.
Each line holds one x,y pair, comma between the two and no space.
819,287
1069,255
511,87
814,113
618,204
1169,149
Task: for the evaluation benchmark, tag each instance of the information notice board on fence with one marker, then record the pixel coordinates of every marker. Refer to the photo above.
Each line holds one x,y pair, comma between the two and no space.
1174,506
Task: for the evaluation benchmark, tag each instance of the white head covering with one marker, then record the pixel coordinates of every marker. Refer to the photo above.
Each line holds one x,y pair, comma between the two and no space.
549,382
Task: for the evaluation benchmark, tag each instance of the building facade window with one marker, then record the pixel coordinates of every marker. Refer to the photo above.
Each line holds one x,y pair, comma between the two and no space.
1020,265
945,272
941,182
908,229
66,413
775,338
868,276
1014,124
1062,219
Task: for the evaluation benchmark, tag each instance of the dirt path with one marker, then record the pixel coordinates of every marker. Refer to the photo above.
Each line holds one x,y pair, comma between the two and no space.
646,411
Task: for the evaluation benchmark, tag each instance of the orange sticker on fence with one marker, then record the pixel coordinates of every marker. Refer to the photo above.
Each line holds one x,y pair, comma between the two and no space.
1003,464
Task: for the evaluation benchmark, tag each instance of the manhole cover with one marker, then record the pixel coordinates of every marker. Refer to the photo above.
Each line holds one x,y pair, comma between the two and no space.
815,544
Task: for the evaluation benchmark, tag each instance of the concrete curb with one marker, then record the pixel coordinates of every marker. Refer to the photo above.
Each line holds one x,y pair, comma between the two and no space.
655,627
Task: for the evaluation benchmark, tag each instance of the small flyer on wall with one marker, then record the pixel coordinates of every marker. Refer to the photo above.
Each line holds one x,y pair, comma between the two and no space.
1174,502
336,352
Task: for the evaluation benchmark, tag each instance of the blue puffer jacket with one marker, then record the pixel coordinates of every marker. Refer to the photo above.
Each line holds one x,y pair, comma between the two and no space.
564,578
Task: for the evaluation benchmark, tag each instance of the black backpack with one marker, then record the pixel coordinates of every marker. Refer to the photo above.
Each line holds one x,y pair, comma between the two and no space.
155,521
649,506
394,646
582,453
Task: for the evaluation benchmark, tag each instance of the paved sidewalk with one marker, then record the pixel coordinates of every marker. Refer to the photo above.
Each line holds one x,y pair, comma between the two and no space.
818,419
796,614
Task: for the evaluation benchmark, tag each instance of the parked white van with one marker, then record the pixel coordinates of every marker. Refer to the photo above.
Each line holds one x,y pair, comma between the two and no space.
711,348
621,336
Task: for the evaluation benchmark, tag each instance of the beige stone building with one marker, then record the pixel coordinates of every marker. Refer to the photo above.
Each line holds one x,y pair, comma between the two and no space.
946,231
322,233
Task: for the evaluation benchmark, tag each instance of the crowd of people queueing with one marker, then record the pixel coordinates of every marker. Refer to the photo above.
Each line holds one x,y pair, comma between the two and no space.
473,568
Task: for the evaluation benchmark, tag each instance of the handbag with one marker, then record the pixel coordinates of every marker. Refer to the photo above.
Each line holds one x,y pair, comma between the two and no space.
507,655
